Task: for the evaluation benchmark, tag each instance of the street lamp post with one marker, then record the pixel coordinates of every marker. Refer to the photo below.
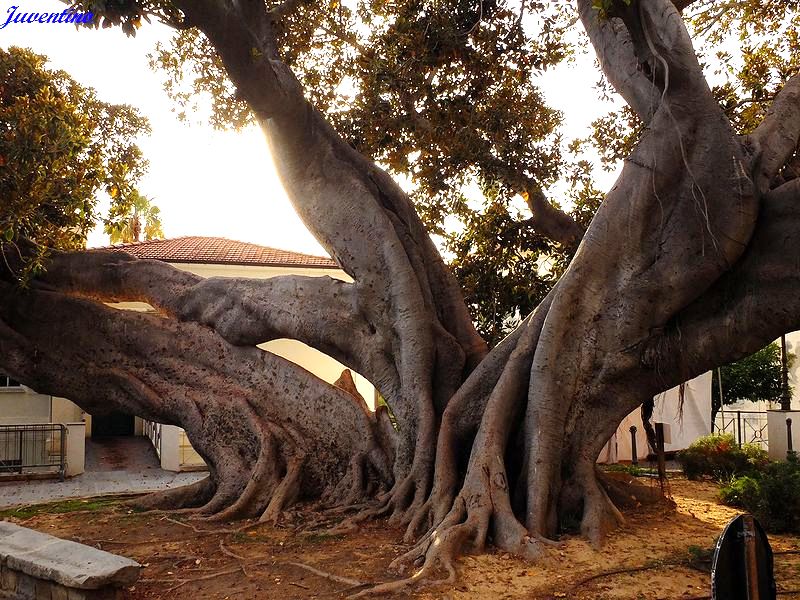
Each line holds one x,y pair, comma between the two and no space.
786,400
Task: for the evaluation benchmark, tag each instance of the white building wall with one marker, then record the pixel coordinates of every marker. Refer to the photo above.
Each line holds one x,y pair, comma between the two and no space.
76,448
21,405
65,411
793,347
682,424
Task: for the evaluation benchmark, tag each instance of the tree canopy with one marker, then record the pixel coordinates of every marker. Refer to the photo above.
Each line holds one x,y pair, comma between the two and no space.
60,148
758,377
448,100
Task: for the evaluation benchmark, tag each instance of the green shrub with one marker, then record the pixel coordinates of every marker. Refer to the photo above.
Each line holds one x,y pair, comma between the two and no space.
772,495
741,491
719,457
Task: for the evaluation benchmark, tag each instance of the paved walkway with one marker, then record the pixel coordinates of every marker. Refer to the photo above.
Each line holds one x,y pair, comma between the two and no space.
125,453
113,466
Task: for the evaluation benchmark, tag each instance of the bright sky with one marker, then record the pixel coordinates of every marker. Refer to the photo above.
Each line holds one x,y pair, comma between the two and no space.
204,181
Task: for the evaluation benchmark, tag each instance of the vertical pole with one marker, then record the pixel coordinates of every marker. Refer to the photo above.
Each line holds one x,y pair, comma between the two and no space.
739,427
63,451
750,558
789,448
721,400
21,461
634,457
786,399
662,467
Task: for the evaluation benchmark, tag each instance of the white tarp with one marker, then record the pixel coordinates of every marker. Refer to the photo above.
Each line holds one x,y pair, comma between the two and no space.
680,428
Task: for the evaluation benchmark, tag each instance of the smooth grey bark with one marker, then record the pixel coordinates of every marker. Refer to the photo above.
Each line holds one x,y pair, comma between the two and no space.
691,261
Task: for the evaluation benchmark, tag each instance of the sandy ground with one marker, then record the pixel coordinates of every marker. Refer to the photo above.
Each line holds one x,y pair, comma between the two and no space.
649,558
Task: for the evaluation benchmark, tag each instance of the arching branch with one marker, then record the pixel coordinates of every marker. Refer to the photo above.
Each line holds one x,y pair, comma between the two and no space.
319,311
615,51
267,410
778,135
550,221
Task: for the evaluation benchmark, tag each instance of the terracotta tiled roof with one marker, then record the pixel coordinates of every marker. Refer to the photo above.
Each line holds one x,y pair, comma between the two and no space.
222,251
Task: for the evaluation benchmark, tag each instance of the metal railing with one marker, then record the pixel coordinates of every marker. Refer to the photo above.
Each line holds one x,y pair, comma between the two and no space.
33,448
746,426
152,430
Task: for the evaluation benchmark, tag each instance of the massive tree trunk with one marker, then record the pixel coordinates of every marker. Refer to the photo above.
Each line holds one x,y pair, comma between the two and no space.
691,262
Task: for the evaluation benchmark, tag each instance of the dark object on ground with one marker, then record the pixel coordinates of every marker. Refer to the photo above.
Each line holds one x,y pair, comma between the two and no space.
743,568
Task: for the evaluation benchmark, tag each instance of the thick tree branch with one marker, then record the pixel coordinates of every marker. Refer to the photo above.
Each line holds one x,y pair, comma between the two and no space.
184,374
617,57
645,52
314,310
551,221
778,135
752,305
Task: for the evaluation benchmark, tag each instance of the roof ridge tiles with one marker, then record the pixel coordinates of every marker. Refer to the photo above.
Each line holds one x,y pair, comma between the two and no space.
218,250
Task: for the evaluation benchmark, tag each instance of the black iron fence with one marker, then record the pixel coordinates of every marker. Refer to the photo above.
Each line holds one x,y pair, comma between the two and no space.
747,427
33,448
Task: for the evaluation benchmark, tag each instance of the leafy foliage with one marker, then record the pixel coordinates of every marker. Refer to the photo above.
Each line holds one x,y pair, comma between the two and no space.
719,457
134,221
771,494
767,33
757,377
59,147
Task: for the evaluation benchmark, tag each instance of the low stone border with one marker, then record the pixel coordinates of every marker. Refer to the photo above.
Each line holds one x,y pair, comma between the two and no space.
38,566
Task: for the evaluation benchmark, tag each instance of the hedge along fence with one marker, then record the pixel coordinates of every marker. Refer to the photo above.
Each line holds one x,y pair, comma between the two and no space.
768,490
771,494
721,458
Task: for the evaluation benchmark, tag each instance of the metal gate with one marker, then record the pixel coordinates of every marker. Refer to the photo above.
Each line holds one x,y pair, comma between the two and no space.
33,448
746,426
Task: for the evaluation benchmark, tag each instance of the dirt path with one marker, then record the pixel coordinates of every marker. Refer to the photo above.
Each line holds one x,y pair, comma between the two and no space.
265,562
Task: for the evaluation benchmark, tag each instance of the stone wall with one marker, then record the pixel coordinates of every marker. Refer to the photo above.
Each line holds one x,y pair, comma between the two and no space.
20,586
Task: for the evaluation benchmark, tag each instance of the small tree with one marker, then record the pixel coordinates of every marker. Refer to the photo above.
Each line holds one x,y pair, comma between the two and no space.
756,378
59,147
134,221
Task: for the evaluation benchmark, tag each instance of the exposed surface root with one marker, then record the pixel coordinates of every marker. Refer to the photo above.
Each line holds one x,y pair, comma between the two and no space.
326,575
400,503
190,496
628,492
600,516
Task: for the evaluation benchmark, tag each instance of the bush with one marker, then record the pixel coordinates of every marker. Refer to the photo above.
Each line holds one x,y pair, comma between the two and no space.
772,495
742,491
719,457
